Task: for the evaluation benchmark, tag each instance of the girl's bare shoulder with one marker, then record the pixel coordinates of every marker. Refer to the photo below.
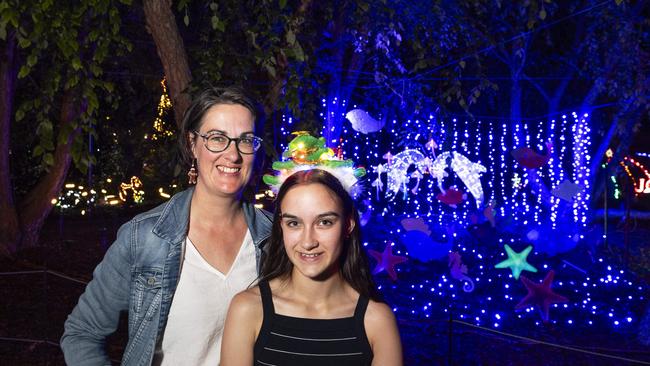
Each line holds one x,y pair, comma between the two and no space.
247,302
379,312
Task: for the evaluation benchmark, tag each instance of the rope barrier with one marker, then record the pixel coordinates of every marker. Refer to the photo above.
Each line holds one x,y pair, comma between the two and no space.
19,273
552,344
27,340
532,340
58,274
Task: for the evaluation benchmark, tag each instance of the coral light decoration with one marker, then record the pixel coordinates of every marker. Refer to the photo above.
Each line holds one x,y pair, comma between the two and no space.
398,177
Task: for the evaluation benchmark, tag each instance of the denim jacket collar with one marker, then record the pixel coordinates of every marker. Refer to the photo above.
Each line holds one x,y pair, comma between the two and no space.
173,222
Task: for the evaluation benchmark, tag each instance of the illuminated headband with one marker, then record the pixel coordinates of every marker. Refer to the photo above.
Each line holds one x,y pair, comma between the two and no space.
308,152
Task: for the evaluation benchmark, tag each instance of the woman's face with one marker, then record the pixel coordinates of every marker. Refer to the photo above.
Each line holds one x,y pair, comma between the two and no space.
224,173
313,228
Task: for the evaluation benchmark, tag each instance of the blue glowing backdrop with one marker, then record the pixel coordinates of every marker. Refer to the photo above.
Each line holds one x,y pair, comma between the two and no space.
486,222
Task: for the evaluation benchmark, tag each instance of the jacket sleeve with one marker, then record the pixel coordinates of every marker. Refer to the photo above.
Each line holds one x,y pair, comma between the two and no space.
97,313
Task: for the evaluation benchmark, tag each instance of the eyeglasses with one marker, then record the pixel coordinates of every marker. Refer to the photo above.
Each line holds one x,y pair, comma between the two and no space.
218,142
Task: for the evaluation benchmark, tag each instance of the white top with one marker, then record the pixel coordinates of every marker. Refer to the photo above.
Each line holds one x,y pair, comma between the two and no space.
198,311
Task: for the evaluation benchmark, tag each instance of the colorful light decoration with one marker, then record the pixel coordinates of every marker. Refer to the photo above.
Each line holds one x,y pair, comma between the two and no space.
458,271
642,185
526,201
133,189
362,121
516,182
516,261
397,170
75,196
386,261
581,139
600,296
469,173
540,295
164,105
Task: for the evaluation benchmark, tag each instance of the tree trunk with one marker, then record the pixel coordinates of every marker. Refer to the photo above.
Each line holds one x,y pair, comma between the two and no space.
628,116
9,225
342,83
37,204
161,24
554,102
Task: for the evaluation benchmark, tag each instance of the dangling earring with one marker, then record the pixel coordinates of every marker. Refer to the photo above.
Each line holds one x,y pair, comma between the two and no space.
192,174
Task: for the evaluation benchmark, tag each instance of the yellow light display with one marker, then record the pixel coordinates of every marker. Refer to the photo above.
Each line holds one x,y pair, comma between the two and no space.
134,187
162,193
164,105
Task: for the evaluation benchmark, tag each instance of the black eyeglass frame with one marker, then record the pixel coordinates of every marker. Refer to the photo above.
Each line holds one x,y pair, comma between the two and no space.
230,139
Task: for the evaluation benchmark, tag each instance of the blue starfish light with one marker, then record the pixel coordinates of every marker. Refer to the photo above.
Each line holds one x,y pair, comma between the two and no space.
517,261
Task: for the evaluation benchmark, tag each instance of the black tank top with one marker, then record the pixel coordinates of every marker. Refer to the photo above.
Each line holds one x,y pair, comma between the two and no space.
286,340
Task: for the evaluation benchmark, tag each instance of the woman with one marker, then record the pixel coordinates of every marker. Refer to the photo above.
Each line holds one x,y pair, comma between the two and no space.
316,303
176,268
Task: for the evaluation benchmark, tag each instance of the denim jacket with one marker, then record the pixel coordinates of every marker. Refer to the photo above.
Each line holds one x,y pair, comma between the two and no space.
139,274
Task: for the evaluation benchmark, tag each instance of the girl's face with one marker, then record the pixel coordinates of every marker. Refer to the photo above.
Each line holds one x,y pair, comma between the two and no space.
224,173
313,228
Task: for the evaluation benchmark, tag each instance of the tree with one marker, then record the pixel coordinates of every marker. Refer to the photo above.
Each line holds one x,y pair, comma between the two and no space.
161,24
53,65
578,55
211,22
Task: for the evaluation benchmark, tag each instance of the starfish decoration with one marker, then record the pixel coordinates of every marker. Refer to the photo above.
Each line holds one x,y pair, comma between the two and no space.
540,295
386,261
517,261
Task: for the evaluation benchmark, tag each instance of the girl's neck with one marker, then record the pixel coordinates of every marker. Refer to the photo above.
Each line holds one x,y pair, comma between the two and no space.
317,290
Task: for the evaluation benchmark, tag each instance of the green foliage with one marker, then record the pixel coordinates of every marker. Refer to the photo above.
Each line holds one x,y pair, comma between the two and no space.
248,42
63,48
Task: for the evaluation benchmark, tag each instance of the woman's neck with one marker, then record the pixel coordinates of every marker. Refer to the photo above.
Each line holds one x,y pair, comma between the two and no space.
209,207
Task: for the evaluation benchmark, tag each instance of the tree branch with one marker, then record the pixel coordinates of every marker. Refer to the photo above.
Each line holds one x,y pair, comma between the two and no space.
278,80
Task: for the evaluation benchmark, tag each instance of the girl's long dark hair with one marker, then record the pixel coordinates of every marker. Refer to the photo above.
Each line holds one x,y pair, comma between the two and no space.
353,261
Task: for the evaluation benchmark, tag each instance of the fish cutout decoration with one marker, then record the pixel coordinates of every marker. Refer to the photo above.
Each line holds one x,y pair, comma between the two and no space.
470,173
417,223
362,121
452,197
567,190
531,159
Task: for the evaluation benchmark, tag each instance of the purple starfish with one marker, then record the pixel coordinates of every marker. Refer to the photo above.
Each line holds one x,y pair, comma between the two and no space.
386,261
540,295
